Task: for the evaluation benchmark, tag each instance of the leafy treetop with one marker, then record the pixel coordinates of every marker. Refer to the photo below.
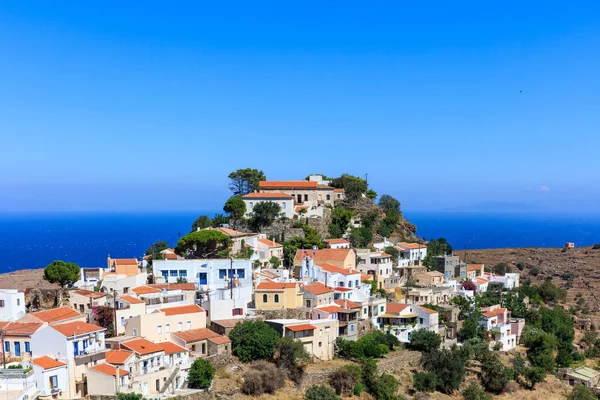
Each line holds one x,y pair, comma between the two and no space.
202,222
254,340
204,244
61,272
353,186
244,181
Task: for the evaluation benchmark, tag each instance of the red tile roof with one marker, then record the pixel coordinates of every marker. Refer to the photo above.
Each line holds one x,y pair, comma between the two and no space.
366,278
412,245
56,314
174,286
317,288
76,328
145,290
170,256
189,309
90,293
324,254
339,190
267,196
117,356
337,241
269,243
395,308
301,327
474,267
171,348
219,339
195,335
427,310
47,362
347,304
230,232
287,184
131,299
125,261
330,309
342,289
228,323
142,346
21,328
275,285
109,370
337,270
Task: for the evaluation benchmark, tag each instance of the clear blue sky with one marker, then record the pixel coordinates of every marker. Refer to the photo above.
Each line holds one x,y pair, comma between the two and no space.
149,106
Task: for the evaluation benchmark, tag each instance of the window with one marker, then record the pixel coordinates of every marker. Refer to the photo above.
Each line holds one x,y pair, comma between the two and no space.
135,332
305,197
381,308
164,274
27,347
265,298
222,273
18,302
349,284
421,321
321,343
276,298
122,378
159,329
1,303
237,311
122,321
251,204
7,346
189,325
54,381
241,273
180,326
320,332
327,330
356,283
328,197
283,205
203,348
158,385
203,278
182,273
364,311
307,303
351,328
168,328
173,273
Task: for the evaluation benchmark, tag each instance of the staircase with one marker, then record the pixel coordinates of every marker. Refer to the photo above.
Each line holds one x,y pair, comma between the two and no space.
170,380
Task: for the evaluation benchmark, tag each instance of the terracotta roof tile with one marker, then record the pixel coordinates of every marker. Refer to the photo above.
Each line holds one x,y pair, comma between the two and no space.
324,254
342,289
330,309
412,245
145,290
56,314
474,267
90,293
269,243
117,356
219,339
195,335
125,261
131,299
275,285
109,370
337,241
396,308
142,346
228,323
317,288
267,196
174,286
189,309
427,310
21,328
339,190
287,184
171,348
347,304
76,328
337,270
47,362
301,327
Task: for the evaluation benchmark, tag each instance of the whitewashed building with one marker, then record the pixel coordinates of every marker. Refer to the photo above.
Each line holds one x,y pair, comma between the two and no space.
12,304
401,320
284,201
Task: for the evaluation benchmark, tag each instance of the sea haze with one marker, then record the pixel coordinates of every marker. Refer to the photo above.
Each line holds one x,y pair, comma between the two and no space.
34,240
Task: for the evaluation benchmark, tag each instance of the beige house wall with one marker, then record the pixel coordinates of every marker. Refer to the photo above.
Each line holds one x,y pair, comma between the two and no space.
133,310
288,298
147,325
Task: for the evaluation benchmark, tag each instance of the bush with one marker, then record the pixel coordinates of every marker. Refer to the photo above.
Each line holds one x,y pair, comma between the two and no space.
253,340
494,375
424,340
343,381
475,392
534,271
290,354
320,393
201,374
448,365
263,377
376,344
581,393
424,382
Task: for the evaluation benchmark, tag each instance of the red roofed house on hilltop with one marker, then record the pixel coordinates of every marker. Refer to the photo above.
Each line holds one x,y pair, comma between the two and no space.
402,319
284,201
337,243
266,249
506,330
342,258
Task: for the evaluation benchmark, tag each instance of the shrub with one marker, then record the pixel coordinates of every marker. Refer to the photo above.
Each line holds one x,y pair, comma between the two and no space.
343,381
262,377
290,354
475,392
494,375
253,340
534,271
425,340
320,393
201,374
581,393
424,382
449,367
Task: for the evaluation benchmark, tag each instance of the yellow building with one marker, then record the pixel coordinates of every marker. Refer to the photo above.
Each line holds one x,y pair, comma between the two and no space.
274,295
158,325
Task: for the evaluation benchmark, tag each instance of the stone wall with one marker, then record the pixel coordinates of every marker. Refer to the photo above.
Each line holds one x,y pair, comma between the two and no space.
290,313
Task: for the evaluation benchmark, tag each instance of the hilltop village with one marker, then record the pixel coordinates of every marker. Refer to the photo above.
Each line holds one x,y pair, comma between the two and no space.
295,273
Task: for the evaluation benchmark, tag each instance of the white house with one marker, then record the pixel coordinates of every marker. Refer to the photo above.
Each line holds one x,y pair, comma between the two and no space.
413,253
481,284
76,344
509,280
265,249
401,320
338,243
224,286
284,201
377,264
51,376
346,283
12,304
89,277
497,320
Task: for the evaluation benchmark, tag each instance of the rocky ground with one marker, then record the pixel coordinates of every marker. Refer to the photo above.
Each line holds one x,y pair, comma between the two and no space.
25,279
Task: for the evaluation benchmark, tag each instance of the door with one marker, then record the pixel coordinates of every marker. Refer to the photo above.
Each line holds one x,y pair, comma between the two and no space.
145,388
76,348
17,349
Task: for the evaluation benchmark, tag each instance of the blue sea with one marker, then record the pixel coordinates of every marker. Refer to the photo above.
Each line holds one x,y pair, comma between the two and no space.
35,240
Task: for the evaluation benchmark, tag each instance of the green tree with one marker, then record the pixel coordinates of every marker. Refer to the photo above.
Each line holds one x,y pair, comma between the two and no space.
448,365
540,349
580,392
474,391
61,272
436,247
219,220
291,355
320,392
311,238
425,382
156,248
236,208
202,222
471,329
501,268
201,374
253,340
204,244
371,194
360,237
494,375
424,340
389,204
353,186
340,219
244,181
275,262
264,214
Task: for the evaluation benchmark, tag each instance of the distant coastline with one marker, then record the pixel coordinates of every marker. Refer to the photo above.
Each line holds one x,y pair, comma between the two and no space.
36,239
